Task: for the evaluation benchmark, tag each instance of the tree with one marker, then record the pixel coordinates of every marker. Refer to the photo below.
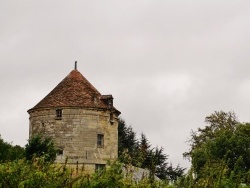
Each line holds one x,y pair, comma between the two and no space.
40,174
9,152
16,152
126,138
141,154
144,152
40,147
157,163
4,146
173,173
220,152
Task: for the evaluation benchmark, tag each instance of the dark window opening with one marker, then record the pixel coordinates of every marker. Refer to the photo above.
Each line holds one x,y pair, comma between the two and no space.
59,113
100,140
110,103
99,167
111,118
60,151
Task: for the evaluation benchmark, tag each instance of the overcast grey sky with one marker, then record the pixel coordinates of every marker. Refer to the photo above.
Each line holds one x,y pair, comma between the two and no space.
168,64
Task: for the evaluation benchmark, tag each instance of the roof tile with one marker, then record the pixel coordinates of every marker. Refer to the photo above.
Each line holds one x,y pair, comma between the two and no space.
73,91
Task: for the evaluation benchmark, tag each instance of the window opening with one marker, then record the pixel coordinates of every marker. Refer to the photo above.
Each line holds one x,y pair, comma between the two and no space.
100,140
111,118
99,167
60,151
59,113
110,103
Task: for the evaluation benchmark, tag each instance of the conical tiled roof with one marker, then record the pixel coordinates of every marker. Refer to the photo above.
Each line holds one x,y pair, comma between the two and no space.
73,91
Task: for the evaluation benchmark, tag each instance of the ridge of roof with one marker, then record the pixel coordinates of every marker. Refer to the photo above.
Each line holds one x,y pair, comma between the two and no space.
73,91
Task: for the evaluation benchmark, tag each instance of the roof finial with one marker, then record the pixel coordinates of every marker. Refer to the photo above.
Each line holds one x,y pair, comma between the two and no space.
75,65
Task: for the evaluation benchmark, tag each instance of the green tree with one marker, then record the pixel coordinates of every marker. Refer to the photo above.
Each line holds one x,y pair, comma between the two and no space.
35,173
16,152
39,146
144,152
9,152
173,173
38,173
141,154
126,138
220,152
157,163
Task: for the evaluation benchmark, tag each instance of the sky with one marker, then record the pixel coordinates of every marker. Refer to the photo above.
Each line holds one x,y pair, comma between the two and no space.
167,63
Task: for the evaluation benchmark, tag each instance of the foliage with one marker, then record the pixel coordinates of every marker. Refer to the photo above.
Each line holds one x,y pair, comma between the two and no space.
220,152
126,137
141,154
9,152
38,170
174,173
39,146
145,152
38,173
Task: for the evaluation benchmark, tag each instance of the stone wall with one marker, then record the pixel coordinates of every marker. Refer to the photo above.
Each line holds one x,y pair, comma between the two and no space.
76,133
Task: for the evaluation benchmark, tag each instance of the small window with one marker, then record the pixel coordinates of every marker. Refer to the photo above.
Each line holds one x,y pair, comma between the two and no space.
60,151
99,167
111,118
110,103
100,140
59,113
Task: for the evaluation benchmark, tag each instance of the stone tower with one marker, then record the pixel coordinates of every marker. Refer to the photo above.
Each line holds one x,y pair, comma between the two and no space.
82,122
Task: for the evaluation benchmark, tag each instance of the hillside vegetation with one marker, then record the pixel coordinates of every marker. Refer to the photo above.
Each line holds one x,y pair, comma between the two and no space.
219,154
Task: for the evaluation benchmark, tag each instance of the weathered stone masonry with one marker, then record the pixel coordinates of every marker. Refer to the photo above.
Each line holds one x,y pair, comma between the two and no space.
85,130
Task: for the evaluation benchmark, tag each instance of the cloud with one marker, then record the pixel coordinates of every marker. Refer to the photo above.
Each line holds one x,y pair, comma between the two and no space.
168,64
175,86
